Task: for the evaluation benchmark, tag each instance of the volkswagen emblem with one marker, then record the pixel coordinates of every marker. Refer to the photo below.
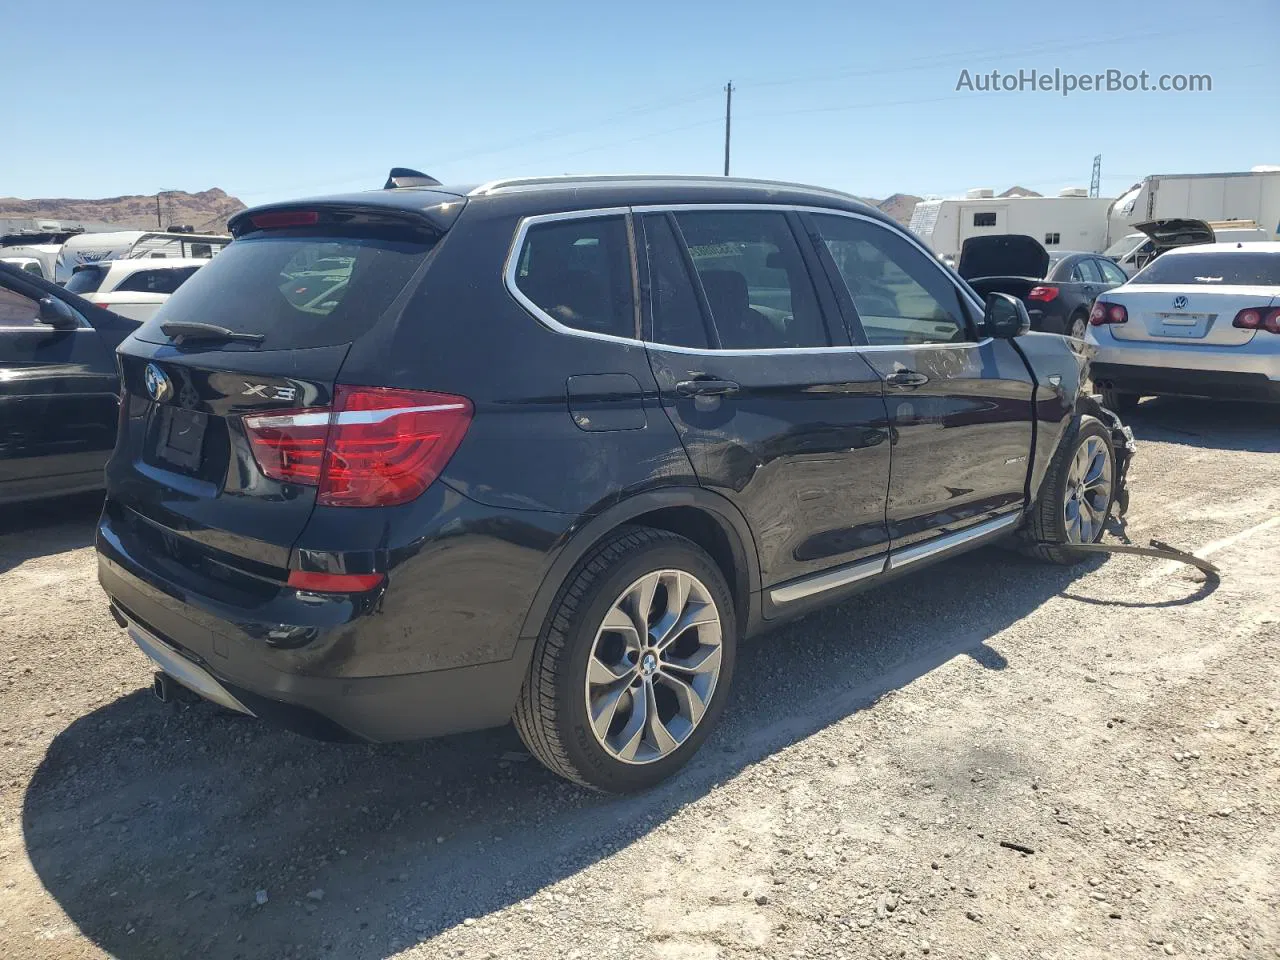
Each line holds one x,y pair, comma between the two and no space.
1179,303
158,385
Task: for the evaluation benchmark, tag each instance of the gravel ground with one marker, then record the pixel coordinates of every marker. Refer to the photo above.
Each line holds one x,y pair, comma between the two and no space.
1115,723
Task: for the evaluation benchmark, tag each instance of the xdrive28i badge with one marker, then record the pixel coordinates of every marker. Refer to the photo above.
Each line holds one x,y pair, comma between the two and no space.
158,383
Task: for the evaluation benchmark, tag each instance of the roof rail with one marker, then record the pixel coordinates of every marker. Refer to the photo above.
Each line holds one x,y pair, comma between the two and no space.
530,183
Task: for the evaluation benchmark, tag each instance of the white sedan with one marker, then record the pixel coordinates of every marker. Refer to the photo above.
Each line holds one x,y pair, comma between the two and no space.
1198,321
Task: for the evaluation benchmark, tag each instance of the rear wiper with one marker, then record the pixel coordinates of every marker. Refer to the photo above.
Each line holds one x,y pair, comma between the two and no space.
182,331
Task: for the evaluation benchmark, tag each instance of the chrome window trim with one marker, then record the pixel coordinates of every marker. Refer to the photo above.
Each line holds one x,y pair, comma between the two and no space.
513,262
513,258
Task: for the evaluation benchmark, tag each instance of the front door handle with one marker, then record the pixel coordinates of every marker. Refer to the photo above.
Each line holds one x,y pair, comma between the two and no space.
706,388
906,378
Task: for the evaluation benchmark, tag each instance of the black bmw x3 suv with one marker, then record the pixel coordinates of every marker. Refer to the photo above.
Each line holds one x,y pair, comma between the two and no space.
428,459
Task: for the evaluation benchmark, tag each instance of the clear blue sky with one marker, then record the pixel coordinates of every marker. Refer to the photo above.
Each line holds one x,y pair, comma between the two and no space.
276,98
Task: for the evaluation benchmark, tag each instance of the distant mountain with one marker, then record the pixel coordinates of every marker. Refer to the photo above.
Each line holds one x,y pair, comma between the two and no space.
1020,192
206,211
899,206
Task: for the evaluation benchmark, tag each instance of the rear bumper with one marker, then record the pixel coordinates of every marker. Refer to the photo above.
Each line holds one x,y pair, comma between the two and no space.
437,651
1170,381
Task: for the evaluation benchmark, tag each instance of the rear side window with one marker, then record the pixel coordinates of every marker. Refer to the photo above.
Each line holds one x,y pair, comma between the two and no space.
1085,272
298,291
578,272
754,279
86,279
155,281
1214,269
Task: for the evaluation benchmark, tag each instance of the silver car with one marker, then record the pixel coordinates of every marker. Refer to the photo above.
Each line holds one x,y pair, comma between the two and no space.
1198,321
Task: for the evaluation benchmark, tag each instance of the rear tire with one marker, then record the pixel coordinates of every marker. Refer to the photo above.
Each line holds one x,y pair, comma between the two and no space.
1072,493
1118,401
1077,325
618,707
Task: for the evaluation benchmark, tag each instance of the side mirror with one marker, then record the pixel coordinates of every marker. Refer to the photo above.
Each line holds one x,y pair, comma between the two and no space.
57,314
1005,316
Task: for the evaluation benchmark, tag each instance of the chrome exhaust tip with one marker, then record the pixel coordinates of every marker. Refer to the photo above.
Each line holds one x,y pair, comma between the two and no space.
162,686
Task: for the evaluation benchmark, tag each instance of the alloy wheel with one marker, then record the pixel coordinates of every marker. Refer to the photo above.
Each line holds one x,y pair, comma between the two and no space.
1088,491
654,665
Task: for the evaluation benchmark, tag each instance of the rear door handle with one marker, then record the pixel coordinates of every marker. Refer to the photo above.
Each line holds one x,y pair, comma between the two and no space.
906,378
706,388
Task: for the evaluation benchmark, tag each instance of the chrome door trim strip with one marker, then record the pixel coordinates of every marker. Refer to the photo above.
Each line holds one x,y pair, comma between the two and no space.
900,558
827,580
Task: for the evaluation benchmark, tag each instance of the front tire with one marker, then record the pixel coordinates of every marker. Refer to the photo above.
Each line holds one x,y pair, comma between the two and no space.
1077,494
632,669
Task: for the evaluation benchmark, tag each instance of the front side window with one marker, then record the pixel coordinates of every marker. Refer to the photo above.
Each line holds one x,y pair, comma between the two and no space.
17,310
901,295
578,272
754,278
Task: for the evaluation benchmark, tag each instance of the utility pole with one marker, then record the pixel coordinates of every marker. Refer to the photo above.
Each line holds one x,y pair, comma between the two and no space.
728,114
159,225
1095,182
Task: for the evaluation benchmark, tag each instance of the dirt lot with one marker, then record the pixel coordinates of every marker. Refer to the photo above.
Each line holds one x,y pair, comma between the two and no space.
1120,720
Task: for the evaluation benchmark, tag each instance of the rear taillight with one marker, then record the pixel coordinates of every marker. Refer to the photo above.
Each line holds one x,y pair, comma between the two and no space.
1258,318
334,582
1103,312
1043,294
376,447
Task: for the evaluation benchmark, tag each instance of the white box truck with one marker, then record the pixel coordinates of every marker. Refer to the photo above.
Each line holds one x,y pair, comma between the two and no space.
1070,221
1213,197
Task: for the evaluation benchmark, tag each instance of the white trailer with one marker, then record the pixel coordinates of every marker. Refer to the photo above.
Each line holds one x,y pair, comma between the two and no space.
1251,195
1070,221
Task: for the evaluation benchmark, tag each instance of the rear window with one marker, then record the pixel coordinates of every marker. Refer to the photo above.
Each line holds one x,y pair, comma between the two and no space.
155,281
86,279
298,291
1214,269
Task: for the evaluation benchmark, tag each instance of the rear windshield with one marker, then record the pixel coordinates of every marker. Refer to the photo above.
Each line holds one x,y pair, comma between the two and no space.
86,279
1225,269
299,291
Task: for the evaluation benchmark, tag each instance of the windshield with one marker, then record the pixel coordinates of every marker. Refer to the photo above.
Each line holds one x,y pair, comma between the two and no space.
1125,246
1214,269
299,291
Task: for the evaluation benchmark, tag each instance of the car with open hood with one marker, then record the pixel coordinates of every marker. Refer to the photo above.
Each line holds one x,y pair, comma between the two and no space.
1058,288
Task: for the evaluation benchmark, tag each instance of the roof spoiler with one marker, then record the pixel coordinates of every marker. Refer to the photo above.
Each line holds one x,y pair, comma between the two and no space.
405,177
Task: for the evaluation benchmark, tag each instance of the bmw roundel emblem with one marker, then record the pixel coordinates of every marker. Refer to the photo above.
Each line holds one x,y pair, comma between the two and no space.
158,384
1179,303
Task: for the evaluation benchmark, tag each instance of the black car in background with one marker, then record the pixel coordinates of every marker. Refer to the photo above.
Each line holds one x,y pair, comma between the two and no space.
59,391
1058,288
427,459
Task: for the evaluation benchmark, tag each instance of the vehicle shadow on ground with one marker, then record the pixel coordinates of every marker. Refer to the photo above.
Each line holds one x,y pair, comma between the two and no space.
1208,423
154,827
31,530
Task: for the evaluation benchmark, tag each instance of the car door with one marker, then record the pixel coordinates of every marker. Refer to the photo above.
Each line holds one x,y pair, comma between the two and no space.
960,406
775,409
58,399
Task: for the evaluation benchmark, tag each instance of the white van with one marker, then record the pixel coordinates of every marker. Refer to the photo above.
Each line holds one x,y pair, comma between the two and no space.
88,248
